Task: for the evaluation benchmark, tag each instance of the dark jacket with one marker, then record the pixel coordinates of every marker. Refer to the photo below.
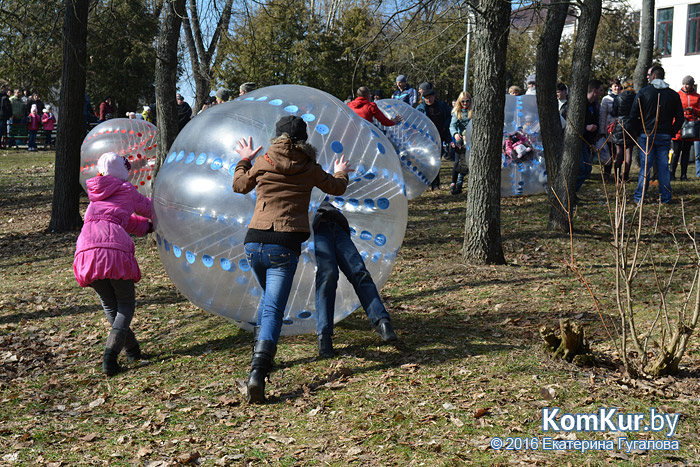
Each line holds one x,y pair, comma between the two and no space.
591,119
622,106
439,114
285,176
5,107
328,213
670,110
184,114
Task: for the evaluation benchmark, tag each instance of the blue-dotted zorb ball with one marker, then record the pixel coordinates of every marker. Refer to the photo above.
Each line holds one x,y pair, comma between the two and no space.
417,142
133,139
526,177
200,222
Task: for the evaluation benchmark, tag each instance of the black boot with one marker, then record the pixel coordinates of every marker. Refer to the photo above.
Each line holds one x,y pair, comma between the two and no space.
325,346
132,347
114,345
260,366
385,331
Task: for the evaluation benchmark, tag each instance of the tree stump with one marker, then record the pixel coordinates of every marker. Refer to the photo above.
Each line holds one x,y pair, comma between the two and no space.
571,343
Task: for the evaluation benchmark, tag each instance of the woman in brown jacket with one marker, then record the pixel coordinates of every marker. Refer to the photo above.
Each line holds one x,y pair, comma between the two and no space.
284,176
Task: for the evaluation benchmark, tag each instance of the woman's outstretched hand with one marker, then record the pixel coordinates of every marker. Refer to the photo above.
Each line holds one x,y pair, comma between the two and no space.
341,165
245,149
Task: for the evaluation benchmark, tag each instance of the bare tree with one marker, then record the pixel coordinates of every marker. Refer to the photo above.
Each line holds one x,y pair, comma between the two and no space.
166,77
482,236
562,186
200,56
65,207
646,45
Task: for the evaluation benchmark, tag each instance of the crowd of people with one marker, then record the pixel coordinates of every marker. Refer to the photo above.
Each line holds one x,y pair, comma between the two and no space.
24,107
618,118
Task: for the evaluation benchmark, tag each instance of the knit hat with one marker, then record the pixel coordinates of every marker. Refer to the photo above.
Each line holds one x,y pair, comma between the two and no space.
111,163
401,79
689,80
222,94
425,87
378,93
530,79
294,126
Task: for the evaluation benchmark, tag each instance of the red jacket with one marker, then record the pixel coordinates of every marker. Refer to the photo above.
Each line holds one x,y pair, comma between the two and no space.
691,107
33,121
369,110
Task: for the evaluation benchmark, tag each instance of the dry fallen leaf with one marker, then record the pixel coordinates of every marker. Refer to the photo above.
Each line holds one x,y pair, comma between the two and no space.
144,451
481,412
188,458
89,437
96,403
282,439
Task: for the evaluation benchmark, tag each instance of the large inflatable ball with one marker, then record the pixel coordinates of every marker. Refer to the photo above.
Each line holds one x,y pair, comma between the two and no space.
523,169
133,139
200,222
417,142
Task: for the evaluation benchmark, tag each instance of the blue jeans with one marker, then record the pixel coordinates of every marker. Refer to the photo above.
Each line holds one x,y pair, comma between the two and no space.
274,267
335,249
118,299
654,156
697,159
31,143
585,166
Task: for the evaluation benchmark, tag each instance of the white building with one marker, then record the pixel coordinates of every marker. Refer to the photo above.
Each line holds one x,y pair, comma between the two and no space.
677,36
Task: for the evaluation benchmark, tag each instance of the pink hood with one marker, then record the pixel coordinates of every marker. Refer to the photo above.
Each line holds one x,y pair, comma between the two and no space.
104,249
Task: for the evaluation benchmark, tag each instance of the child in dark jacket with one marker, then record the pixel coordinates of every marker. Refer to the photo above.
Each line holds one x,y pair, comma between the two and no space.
104,254
335,250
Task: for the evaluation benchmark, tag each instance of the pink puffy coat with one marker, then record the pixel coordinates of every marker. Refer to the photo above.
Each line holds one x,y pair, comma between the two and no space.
105,249
48,121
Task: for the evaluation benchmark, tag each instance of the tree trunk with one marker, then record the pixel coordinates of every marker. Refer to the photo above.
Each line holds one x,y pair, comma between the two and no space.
166,78
564,185
482,236
65,207
646,45
552,133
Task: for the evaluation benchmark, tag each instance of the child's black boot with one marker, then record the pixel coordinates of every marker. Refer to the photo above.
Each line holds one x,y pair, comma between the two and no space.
114,345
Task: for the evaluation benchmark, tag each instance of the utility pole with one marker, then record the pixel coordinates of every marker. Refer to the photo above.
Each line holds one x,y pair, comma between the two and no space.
466,55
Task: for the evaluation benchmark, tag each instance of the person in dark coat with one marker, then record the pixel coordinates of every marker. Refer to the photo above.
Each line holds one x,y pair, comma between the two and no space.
184,112
624,134
658,111
439,113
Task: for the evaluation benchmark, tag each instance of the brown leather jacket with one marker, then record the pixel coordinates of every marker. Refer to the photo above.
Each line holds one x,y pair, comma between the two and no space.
285,176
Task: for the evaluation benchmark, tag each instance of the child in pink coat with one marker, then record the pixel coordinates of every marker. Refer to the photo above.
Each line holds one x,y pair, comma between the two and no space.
48,121
517,146
33,123
104,254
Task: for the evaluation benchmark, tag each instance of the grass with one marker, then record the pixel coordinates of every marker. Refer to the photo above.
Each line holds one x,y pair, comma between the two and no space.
468,341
